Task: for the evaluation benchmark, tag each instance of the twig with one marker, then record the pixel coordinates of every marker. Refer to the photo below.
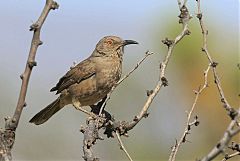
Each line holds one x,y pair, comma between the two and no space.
231,156
226,105
188,124
184,19
122,146
223,143
123,78
137,65
7,136
230,132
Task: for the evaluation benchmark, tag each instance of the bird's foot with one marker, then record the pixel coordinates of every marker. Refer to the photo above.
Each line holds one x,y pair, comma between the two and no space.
77,106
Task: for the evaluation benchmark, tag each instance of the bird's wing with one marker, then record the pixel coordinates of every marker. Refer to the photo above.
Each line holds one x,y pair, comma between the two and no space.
80,72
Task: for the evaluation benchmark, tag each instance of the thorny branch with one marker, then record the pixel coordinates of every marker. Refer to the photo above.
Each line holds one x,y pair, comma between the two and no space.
7,136
184,19
231,156
188,123
233,127
231,111
231,131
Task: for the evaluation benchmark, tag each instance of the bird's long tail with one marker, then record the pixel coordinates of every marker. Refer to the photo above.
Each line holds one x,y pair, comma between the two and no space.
47,112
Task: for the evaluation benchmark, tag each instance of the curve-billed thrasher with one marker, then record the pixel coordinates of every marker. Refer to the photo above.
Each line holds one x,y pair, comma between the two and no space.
89,81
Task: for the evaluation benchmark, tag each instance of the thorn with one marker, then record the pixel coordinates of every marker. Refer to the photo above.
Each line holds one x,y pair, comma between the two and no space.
189,127
25,104
226,156
149,92
21,76
184,139
147,52
160,66
145,115
187,32
135,118
218,145
196,123
31,64
164,81
199,16
54,5
207,32
214,64
223,100
34,26
195,91
40,42
167,42
233,113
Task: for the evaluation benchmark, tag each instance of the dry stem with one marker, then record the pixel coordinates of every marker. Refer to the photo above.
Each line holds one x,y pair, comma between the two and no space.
122,146
188,125
7,136
223,99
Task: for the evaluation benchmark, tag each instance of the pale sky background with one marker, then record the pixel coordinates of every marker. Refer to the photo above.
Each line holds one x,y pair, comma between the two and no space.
70,34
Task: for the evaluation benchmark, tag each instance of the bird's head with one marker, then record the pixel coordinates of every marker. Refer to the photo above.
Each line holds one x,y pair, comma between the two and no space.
112,44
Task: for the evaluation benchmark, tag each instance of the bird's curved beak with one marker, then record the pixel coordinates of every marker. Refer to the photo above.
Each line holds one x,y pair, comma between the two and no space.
128,42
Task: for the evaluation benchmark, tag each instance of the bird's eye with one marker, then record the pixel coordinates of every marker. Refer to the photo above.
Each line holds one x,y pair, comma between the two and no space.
109,42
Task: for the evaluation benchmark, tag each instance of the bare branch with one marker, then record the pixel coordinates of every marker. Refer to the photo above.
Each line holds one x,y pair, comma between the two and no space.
231,111
231,156
233,127
188,124
122,146
223,143
8,135
184,19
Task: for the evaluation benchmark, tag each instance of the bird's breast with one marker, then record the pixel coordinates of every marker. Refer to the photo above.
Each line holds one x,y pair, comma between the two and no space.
108,73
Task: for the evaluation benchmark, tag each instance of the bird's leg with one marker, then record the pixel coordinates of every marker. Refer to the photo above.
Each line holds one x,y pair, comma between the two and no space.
77,105
102,105
99,106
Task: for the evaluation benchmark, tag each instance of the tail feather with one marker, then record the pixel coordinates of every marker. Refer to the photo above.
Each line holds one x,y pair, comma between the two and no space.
46,113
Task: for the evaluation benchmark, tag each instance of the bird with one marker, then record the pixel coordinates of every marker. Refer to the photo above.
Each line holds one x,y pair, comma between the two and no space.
90,81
